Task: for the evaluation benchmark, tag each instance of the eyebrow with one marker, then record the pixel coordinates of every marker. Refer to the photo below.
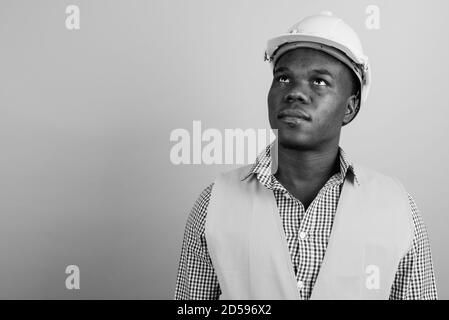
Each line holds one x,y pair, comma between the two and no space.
320,71
323,71
281,69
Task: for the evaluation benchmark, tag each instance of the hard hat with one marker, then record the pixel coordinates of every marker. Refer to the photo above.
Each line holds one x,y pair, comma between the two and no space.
330,34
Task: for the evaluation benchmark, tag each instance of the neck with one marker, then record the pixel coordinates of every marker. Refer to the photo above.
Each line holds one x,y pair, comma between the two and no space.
299,167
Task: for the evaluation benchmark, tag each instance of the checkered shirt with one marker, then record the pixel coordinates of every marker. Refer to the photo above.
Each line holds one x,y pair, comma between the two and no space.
307,233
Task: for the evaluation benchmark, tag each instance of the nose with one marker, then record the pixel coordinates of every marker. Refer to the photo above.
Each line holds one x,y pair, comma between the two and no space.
297,93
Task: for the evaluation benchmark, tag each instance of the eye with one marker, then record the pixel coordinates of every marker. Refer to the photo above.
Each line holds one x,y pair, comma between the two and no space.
320,82
283,79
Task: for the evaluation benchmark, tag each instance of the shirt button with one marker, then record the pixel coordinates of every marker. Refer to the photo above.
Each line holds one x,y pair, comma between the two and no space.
302,235
286,195
300,285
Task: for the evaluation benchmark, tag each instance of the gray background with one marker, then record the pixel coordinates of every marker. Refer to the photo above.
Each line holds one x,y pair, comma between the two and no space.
86,116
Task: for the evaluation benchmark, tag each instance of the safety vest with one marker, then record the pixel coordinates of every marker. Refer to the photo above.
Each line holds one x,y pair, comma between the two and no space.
372,231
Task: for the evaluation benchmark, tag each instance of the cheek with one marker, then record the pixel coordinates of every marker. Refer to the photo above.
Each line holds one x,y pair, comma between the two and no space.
273,98
330,115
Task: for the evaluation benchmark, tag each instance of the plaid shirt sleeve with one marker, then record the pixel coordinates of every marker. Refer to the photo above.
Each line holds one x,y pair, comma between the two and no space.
196,279
415,278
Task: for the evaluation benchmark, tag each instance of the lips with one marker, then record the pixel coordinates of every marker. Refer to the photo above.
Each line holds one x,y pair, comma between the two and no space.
293,114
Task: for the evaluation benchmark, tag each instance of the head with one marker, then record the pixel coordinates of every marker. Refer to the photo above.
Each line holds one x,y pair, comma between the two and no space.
312,96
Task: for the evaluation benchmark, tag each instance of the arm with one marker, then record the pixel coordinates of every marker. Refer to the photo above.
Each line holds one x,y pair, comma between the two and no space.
196,279
415,278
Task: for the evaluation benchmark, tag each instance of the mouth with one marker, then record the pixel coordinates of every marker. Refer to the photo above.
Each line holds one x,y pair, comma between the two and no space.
291,121
293,117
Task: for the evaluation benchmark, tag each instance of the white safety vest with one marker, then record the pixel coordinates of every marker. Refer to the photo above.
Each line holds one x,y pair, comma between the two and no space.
372,231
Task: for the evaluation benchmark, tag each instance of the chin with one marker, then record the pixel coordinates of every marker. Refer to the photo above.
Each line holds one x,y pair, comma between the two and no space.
292,140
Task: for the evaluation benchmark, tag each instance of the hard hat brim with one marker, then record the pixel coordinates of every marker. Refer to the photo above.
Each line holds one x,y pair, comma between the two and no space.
275,43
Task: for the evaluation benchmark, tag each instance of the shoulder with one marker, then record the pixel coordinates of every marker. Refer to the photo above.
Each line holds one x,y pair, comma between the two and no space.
387,184
366,174
387,191
420,231
197,216
237,173
198,213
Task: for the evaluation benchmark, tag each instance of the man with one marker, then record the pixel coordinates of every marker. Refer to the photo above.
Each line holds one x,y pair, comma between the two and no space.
304,222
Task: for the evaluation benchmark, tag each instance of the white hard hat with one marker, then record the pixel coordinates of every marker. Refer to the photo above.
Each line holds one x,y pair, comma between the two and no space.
330,34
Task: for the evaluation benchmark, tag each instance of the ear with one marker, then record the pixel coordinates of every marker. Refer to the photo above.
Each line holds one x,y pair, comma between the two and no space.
352,105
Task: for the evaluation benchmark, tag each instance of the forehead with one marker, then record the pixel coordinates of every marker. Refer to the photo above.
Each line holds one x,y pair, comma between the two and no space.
303,58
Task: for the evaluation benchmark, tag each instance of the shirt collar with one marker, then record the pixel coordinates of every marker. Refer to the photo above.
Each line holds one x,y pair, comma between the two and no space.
265,165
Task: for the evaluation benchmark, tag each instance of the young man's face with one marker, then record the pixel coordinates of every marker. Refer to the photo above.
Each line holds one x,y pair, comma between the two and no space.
310,98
